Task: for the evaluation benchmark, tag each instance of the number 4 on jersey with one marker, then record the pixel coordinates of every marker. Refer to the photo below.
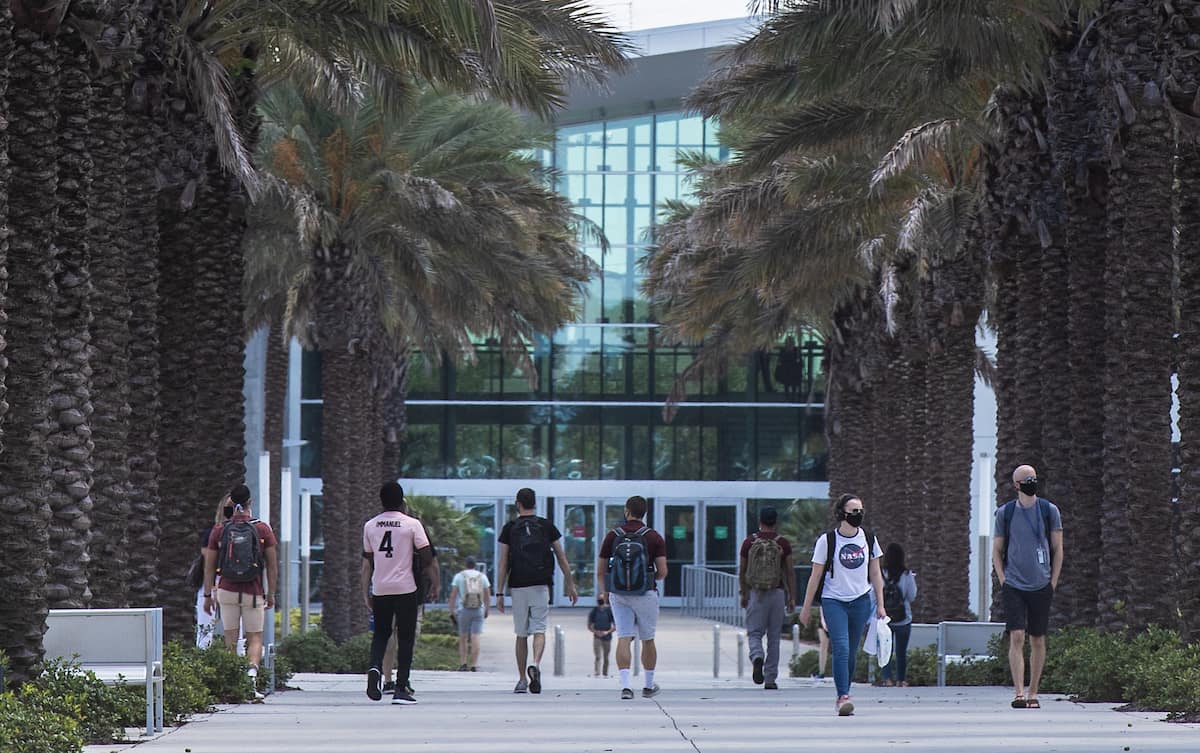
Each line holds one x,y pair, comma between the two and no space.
385,546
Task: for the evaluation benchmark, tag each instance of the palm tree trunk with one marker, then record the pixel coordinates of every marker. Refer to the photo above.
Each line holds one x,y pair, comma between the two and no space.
1183,92
1071,101
140,225
183,435
24,465
345,378
111,309
71,381
395,414
1142,196
275,385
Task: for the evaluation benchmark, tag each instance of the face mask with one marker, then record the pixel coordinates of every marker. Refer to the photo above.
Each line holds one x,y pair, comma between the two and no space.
1028,487
853,518
228,510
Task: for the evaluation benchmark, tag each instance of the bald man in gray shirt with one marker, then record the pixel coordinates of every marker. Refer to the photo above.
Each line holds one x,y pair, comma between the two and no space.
1027,555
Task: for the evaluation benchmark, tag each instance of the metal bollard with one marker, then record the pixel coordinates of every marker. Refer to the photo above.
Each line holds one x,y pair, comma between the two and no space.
741,641
637,657
795,640
560,651
716,651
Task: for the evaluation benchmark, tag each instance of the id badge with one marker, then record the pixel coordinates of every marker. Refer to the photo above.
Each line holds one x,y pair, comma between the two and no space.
1041,555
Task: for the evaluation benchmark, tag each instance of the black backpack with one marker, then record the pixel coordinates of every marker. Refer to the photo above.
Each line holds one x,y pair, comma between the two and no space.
629,569
240,556
1010,509
530,556
602,618
893,600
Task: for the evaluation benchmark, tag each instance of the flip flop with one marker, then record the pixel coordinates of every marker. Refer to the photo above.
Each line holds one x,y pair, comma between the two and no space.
1019,702
1032,703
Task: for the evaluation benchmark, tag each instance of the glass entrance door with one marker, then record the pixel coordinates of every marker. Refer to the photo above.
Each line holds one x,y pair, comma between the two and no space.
677,521
721,539
579,536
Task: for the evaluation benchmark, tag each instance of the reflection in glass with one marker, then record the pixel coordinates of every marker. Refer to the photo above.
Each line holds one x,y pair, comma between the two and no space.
720,537
310,432
679,530
578,528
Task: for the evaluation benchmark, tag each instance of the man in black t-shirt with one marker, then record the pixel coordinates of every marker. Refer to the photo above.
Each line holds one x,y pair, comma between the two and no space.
529,547
602,627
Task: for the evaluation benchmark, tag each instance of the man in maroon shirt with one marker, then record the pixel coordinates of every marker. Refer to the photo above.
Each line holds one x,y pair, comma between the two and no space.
766,595
636,614
242,600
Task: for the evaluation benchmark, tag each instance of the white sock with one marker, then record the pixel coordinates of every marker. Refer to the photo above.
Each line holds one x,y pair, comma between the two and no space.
649,677
624,678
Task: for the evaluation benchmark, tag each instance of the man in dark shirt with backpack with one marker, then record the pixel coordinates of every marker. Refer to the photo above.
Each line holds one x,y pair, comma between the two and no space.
240,550
633,560
767,586
602,627
529,547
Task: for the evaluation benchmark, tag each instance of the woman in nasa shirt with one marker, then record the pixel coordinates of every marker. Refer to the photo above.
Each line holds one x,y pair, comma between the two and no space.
847,558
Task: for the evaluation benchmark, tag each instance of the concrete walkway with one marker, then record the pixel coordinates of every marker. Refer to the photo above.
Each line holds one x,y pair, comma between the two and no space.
473,712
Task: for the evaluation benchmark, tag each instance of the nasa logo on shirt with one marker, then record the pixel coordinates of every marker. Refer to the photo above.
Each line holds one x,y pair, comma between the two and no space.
852,556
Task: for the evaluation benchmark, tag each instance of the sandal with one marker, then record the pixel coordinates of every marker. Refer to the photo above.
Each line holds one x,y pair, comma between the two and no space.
1032,703
1019,702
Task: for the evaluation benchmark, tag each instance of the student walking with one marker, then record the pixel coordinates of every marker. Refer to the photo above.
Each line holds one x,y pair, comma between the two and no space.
240,550
633,558
1027,555
391,539
529,547
899,592
848,559
602,626
470,600
766,583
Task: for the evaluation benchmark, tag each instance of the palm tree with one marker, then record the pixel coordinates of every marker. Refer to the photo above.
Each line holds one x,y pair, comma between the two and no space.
70,398
32,213
393,214
108,145
1140,345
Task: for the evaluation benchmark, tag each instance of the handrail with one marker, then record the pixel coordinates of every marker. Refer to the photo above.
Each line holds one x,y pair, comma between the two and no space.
712,595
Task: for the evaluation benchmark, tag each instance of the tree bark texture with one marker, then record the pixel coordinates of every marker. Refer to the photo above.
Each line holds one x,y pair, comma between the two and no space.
24,465
70,407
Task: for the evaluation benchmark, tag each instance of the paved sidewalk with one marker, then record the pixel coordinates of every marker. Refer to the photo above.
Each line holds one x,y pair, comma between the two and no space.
474,712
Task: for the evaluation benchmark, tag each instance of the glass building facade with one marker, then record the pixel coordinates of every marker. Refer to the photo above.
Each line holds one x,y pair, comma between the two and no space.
588,431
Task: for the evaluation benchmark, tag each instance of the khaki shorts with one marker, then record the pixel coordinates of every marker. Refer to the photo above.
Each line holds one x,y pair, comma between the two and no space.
233,612
531,610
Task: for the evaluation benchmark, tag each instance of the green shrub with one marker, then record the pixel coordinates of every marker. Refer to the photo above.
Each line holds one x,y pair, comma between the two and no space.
283,673
30,723
225,675
803,664
437,622
356,654
184,689
807,634
106,710
313,651
1169,681
438,652
314,620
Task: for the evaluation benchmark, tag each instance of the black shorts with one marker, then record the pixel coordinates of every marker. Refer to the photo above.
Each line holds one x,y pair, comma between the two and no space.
1027,610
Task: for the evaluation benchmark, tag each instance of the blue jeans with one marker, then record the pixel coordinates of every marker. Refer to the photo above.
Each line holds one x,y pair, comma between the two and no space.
898,667
847,621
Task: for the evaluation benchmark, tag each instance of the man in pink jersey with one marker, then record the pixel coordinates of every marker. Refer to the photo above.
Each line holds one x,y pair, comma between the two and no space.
390,587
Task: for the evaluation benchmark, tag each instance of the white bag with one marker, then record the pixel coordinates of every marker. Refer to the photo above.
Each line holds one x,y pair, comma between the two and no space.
883,637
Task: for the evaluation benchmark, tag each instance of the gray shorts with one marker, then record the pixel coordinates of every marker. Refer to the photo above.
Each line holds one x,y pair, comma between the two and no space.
636,616
470,621
531,610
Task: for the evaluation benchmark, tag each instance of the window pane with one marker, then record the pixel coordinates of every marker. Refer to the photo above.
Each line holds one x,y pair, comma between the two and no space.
310,375
310,432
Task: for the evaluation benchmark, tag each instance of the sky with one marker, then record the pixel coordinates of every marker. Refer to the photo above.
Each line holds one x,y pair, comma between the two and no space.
629,15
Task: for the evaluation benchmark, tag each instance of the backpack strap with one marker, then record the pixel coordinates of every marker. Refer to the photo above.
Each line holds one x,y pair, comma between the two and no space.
830,543
1010,509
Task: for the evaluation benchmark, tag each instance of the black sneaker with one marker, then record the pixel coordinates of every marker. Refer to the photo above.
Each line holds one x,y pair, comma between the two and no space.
462,667
373,677
770,686
626,694
535,679
389,687
650,692
758,673
403,699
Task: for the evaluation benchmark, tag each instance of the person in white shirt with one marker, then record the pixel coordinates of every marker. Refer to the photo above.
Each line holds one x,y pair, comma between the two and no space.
845,566
470,597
